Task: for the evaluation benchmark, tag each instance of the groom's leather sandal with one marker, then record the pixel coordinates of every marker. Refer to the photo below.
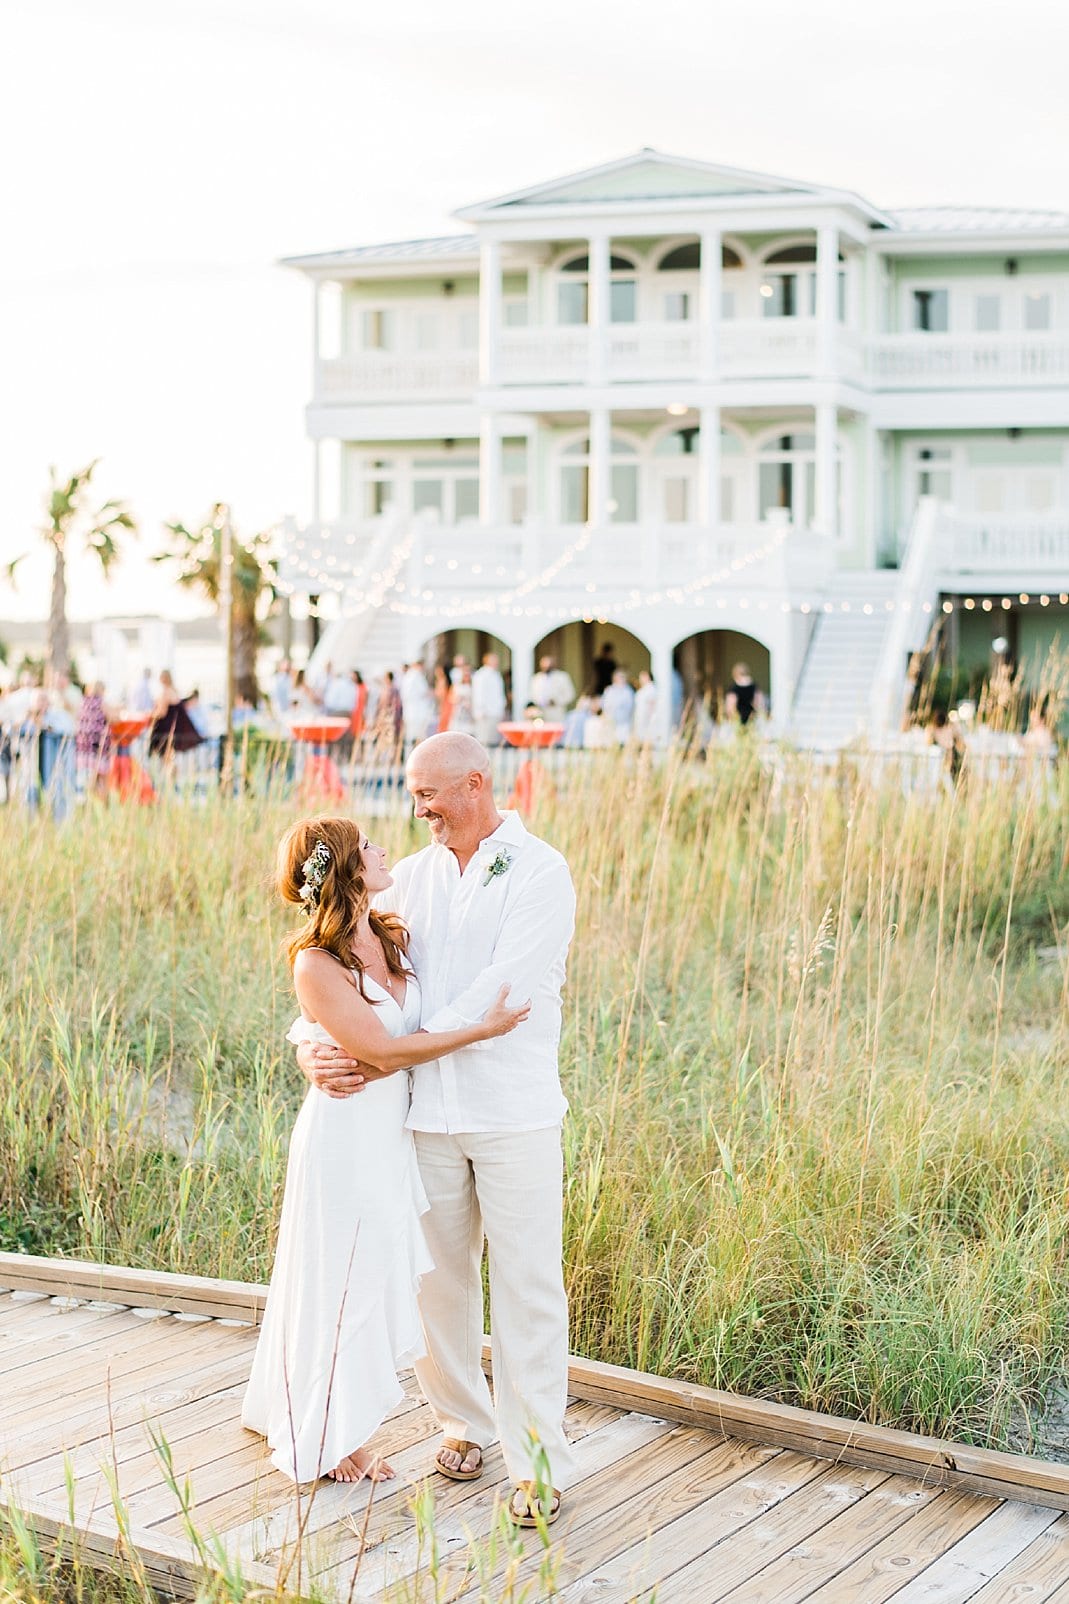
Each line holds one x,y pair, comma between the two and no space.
525,1508
458,1446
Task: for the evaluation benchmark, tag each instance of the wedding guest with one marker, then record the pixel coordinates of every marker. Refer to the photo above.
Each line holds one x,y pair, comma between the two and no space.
92,739
461,700
489,702
645,720
172,728
605,666
388,713
339,695
575,722
552,689
143,699
599,732
441,698
743,698
618,705
418,713
281,689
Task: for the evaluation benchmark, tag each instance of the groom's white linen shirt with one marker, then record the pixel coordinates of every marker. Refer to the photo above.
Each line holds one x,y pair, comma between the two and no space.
470,936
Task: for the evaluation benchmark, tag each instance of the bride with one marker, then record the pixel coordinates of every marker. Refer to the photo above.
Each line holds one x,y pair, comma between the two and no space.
341,1315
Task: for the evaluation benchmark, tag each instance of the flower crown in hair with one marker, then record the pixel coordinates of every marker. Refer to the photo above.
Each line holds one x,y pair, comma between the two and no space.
314,869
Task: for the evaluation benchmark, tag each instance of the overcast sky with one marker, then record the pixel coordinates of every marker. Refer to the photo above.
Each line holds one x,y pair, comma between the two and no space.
160,155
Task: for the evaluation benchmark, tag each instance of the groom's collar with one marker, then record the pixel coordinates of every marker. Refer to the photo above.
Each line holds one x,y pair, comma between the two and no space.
511,832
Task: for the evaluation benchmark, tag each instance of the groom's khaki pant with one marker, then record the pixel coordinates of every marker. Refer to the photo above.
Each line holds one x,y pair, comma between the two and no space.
506,1185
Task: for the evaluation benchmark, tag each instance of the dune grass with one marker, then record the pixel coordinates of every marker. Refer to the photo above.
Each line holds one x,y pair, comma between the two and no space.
815,1042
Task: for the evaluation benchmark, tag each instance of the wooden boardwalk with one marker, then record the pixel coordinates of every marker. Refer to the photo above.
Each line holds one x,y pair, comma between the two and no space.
699,1494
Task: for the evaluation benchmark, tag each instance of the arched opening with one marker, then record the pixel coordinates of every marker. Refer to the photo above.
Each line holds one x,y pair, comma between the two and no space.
678,293
573,290
456,703
577,647
469,642
703,665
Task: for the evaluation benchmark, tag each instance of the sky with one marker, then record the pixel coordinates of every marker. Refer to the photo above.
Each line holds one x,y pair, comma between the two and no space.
162,155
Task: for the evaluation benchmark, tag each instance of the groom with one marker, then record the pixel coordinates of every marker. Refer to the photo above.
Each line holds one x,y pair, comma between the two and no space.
488,904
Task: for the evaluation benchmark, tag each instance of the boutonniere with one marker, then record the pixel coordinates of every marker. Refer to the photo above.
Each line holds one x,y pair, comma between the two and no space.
500,865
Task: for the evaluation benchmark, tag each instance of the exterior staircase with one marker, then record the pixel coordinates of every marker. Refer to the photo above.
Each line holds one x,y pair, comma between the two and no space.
853,680
832,705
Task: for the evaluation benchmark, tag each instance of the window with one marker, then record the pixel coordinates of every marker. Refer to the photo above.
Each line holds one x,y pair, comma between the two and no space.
1041,492
468,330
379,329
931,311
466,497
573,291
428,331
988,314
428,495
677,307
623,300
786,478
378,488
516,314
727,304
1037,310
572,302
623,483
934,472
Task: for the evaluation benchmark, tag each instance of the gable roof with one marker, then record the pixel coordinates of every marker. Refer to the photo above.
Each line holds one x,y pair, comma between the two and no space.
652,175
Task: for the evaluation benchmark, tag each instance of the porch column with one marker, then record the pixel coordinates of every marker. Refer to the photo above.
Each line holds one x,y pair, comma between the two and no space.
598,294
873,492
826,498
317,482
827,300
316,336
489,469
600,480
522,671
489,310
709,298
709,468
661,666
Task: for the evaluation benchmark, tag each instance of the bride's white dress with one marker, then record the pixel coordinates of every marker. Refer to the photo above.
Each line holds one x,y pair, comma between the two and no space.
341,1315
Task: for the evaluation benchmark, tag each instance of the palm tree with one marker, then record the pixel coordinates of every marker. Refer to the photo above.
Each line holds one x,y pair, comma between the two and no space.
199,555
68,518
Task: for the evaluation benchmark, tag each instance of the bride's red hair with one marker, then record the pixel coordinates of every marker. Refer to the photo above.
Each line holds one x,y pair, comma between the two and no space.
333,915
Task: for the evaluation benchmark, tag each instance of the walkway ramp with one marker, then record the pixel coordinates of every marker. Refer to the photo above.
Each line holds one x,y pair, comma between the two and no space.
111,1374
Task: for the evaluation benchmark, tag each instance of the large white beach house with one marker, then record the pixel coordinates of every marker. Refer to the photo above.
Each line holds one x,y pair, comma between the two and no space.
703,414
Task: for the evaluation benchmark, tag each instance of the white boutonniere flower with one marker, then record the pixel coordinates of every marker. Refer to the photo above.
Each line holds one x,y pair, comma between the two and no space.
500,865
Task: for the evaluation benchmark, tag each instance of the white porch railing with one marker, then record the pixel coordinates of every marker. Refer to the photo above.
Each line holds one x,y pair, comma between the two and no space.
544,355
908,361
372,375
653,350
978,545
910,623
425,561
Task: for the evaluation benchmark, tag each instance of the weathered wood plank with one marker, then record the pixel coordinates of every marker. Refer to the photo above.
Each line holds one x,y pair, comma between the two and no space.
964,1568
466,1509
813,1558
1035,1573
804,1510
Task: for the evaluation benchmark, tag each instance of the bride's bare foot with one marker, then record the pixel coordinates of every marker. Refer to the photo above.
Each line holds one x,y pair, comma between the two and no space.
362,1465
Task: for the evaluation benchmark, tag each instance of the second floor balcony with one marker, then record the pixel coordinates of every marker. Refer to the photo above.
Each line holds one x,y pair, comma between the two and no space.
967,361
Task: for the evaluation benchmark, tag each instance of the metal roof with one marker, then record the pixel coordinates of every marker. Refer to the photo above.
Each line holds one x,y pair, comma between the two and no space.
977,220
407,250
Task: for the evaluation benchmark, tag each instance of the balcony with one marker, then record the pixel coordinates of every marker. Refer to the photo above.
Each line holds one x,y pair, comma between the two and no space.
646,352
1017,550
390,375
966,361
418,561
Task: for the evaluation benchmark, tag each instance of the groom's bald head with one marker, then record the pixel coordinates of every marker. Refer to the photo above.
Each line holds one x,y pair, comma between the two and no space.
448,777
449,756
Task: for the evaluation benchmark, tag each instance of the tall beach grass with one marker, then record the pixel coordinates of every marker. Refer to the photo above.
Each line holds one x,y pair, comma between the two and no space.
815,1043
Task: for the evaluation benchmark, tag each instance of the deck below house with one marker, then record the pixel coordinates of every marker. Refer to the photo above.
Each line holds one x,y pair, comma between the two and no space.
120,1433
